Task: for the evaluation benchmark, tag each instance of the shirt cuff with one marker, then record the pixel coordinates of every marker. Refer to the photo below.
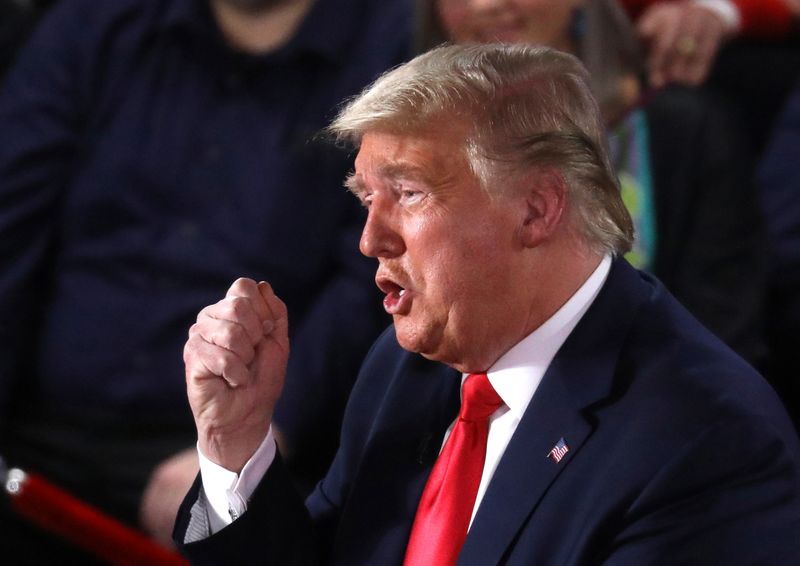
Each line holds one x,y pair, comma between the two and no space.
726,10
227,492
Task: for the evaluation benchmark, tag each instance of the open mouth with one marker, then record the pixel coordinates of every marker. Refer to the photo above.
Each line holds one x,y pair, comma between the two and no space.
397,300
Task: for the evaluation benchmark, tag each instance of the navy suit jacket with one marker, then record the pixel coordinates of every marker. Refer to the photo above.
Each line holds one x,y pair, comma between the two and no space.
679,453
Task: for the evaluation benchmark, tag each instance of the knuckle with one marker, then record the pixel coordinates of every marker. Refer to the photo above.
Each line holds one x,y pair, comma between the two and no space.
203,314
237,306
242,285
237,283
230,335
267,287
224,361
187,354
195,329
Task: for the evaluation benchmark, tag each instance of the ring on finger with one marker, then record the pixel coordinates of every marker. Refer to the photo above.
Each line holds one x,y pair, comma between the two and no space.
686,45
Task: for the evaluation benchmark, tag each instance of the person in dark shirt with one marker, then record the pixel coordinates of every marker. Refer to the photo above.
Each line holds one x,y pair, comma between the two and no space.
17,20
149,152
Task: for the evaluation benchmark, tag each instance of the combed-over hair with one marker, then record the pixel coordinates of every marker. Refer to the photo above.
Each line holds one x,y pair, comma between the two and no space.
526,108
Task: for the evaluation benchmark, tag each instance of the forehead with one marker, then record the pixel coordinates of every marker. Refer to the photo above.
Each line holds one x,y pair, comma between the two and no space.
424,155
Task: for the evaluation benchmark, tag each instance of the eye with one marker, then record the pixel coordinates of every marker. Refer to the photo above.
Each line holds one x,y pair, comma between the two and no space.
410,195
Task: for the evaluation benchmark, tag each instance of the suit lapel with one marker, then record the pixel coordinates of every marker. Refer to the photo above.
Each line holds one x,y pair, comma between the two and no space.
421,402
506,505
581,375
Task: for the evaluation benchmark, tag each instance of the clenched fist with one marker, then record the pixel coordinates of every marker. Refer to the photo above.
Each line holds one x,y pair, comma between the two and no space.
235,360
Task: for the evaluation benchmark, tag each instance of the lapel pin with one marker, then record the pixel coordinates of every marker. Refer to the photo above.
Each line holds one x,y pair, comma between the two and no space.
558,451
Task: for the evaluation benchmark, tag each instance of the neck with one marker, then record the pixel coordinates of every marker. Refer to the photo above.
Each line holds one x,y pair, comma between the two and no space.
560,280
558,274
259,29
557,281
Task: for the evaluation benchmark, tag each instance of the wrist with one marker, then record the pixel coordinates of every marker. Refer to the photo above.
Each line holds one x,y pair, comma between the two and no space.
232,448
727,12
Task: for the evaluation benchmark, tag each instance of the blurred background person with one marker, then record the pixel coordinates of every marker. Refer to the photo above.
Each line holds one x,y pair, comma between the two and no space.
683,37
745,50
17,20
748,51
123,126
779,178
683,166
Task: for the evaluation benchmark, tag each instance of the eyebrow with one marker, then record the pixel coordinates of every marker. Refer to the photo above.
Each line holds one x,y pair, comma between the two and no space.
401,170
389,171
354,184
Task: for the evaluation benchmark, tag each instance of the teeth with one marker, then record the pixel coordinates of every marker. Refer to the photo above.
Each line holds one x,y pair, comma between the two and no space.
402,292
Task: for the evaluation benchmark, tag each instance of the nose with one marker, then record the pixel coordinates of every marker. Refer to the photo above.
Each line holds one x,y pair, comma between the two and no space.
380,238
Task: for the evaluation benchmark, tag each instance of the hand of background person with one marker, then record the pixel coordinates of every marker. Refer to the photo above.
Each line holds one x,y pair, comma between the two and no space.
164,492
235,360
682,40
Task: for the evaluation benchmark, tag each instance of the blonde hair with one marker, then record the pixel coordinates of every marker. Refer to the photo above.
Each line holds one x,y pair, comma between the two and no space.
526,108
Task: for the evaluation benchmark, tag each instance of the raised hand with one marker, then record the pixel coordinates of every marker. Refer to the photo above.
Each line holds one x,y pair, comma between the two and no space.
683,39
235,360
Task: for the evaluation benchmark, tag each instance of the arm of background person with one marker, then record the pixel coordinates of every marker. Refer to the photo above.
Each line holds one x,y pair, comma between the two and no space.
704,175
41,117
759,18
683,37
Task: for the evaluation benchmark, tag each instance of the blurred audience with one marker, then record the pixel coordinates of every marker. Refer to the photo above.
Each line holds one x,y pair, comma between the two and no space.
684,36
123,126
744,50
684,168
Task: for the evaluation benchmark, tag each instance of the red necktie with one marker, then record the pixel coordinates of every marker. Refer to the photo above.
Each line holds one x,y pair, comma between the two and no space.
444,511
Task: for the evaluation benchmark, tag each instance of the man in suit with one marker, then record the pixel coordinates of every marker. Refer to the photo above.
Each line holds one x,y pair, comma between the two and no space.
599,422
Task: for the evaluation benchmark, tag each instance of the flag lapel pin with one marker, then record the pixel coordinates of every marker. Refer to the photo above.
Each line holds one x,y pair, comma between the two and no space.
558,451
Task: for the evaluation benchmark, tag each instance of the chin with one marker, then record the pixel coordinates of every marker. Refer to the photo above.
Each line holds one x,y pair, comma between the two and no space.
407,342
411,338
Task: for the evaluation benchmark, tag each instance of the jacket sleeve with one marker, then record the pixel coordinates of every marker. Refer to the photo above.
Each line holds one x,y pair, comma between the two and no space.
276,529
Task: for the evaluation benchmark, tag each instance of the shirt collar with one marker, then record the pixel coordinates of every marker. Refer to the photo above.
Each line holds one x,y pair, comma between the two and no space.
518,372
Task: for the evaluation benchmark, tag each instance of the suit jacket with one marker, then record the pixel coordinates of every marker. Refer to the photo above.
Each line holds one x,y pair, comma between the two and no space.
679,453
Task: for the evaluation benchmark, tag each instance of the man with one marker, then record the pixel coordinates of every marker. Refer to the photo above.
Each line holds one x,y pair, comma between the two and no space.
613,429
138,139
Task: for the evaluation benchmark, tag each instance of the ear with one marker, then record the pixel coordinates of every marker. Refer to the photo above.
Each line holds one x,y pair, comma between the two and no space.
545,206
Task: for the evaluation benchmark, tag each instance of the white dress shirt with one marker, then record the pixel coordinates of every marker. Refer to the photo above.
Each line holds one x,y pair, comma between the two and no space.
515,377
